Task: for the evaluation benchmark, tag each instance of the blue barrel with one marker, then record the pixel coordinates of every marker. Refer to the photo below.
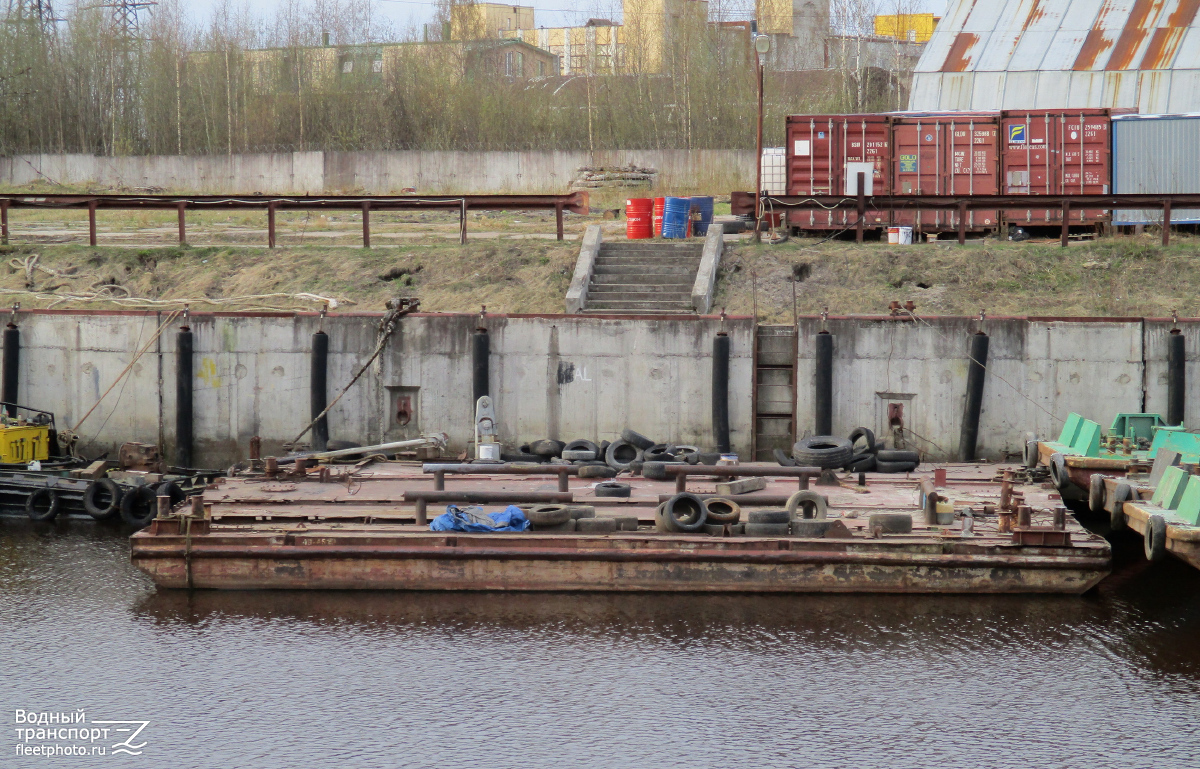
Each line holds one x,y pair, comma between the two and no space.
675,217
703,205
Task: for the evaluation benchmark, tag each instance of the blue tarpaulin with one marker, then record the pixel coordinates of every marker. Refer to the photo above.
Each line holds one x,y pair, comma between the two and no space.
471,519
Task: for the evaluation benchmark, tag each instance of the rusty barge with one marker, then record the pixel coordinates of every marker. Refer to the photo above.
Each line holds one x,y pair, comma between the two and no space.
363,527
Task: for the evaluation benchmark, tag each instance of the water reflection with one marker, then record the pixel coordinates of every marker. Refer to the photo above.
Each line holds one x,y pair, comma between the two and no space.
366,679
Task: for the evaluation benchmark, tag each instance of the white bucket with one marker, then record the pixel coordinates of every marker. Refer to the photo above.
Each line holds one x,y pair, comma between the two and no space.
487,451
894,235
903,236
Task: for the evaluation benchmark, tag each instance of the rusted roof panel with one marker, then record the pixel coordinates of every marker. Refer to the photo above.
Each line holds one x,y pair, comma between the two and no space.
1102,53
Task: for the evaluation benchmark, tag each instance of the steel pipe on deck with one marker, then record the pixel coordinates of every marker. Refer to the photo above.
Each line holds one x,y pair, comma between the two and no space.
439,471
681,473
421,497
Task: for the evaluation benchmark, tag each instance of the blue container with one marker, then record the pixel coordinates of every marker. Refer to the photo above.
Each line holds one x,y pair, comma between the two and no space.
704,206
675,217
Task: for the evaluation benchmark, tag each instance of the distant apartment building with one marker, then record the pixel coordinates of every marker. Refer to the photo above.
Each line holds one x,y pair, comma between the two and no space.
801,38
909,27
478,21
329,68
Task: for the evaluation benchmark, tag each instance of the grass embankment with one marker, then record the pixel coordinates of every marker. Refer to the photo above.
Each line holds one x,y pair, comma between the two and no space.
1117,276
1113,276
529,276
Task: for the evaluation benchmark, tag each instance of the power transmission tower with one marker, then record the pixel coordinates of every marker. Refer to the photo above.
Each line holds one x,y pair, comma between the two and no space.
125,16
39,13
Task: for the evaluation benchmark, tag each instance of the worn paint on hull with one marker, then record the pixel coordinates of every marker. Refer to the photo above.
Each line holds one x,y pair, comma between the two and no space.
631,562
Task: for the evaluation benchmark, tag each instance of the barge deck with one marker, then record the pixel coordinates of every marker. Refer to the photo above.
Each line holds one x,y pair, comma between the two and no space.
355,531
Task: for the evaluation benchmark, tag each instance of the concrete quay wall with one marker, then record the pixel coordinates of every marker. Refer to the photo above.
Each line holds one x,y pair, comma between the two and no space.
576,376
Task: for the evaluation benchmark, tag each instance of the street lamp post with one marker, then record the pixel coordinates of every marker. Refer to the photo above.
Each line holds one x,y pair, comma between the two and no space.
762,45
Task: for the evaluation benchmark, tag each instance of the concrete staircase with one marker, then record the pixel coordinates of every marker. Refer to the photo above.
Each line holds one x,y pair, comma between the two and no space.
644,276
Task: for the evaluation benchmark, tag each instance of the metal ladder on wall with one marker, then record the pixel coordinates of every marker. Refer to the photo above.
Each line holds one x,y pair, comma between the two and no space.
774,391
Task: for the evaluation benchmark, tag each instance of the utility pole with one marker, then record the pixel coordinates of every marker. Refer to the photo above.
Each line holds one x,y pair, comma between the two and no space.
762,45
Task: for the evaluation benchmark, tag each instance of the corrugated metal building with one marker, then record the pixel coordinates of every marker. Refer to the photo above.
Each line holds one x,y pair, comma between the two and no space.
1049,54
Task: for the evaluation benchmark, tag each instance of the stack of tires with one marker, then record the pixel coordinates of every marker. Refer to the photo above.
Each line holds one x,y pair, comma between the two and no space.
690,514
857,453
605,459
804,516
576,518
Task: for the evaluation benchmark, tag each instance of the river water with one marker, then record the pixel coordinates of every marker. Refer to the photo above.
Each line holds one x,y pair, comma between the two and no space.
365,680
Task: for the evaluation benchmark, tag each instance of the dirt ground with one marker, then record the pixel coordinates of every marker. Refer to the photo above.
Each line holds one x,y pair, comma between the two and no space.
513,264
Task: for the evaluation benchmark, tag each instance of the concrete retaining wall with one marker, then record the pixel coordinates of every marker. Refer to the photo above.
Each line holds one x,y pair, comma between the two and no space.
573,377
1037,372
551,376
533,172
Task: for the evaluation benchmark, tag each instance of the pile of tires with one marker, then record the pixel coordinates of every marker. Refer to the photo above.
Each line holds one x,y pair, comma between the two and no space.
856,453
606,459
576,518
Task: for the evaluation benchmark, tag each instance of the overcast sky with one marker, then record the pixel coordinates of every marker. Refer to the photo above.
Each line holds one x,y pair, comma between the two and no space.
411,14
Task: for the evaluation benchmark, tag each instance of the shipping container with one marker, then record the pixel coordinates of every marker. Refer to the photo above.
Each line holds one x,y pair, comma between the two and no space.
825,153
1156,154
1056,152
946,154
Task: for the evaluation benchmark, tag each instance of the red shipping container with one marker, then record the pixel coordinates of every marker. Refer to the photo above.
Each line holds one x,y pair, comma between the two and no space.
824,155
1056,152
946,154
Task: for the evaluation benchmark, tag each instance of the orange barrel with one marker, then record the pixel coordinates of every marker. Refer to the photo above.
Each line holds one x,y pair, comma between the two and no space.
637,218
660,205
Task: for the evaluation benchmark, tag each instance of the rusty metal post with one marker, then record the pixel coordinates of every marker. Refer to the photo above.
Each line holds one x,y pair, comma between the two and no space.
462,223
1066,224
272,467
962,222
271,224
182,224
558,220
92,223
680,483
256,447
4,222
422,518
1060,518
439,481
563,481
198,505
862,207
366,209
930,495
1024,516
164,505
1166,239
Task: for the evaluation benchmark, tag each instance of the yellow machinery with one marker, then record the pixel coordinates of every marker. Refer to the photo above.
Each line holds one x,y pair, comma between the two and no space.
25,440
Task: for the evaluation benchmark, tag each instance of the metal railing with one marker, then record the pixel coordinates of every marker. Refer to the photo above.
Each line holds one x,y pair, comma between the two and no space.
576,202
742,203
